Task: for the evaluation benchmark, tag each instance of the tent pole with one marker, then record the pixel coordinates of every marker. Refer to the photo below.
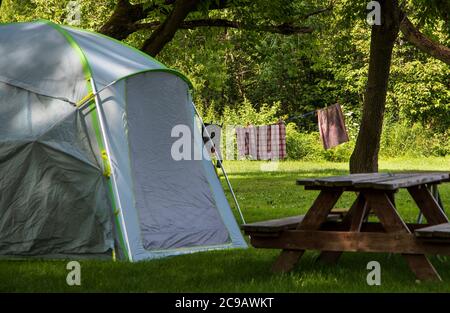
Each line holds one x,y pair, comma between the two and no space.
231,189
95,92
102,120
221,166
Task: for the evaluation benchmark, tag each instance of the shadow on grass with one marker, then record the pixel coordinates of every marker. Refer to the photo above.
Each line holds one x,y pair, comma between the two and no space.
267,195
220,271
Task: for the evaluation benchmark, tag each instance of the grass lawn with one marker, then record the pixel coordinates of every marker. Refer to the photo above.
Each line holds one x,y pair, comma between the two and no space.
262,195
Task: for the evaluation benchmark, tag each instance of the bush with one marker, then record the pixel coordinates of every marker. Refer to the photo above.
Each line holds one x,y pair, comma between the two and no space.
308,146
340,153
302,146
397,140
401,139
246,114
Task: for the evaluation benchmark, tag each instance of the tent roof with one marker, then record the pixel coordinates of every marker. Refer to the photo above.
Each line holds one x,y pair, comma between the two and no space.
56,61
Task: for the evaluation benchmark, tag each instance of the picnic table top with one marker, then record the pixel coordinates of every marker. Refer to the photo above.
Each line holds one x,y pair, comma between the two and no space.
383,181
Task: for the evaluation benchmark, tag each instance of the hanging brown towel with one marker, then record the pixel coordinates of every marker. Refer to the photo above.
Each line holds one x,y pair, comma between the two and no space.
332,126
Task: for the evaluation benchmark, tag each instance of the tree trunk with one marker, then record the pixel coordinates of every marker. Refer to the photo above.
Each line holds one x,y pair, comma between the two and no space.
164,34
365,156
120,24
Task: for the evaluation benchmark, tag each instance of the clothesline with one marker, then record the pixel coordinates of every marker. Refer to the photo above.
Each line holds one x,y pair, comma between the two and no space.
267,142
302,116
287,120
331,124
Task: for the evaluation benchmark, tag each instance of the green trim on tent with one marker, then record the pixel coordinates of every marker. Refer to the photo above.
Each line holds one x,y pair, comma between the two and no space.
161,70
72,41
119,42
93,33
84,62
95,120
199,248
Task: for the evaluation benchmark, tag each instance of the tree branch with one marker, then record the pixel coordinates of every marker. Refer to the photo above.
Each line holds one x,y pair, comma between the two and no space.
423,43
165,31
317,12
126,16
284,29
121,22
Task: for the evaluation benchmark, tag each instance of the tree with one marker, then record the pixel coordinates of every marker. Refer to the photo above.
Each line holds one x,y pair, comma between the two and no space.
383,37
365,155
129,18
242,49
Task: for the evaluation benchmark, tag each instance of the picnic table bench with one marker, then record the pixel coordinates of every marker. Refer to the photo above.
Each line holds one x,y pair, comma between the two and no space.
320,229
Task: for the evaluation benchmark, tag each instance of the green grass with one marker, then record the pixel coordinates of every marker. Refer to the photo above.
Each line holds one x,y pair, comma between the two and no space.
262,195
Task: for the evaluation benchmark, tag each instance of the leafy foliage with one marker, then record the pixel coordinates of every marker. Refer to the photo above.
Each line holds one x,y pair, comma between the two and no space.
240,75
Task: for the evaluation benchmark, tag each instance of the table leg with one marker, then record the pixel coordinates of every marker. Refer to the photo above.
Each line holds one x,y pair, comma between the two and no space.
287,260
353,221
421,266
316,215
435,193
428,205
384,209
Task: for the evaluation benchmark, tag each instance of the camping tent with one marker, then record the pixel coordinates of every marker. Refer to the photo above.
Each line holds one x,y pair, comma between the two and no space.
85,152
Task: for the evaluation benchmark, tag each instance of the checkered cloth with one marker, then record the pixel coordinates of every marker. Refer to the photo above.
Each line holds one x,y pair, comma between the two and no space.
246,142
262,142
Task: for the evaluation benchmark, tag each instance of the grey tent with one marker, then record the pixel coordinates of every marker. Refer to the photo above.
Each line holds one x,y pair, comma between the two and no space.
86,168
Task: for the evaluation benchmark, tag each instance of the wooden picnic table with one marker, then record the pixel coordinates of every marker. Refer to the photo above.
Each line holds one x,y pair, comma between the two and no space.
322,230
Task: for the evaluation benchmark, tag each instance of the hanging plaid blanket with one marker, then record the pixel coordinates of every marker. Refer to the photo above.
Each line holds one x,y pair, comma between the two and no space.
262,142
